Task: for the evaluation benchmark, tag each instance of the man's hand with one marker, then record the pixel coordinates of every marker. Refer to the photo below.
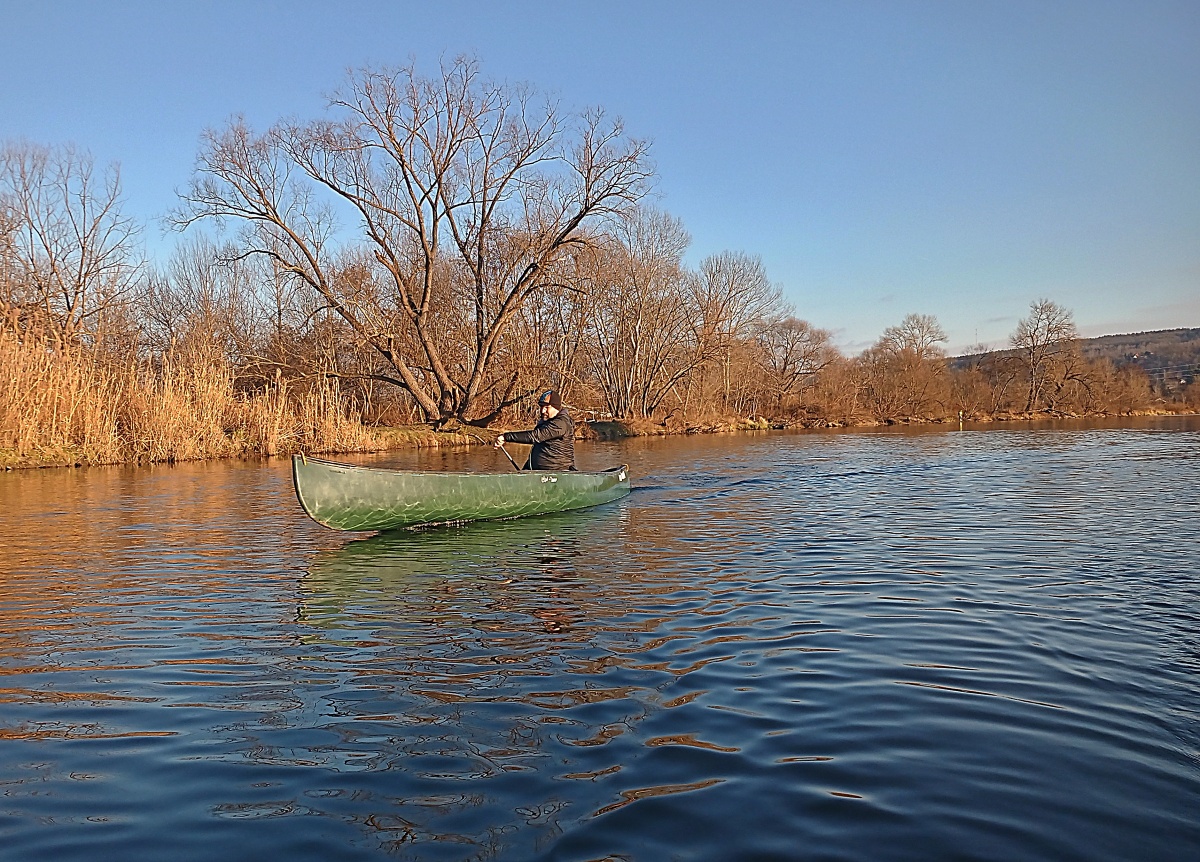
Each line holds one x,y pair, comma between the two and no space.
499,440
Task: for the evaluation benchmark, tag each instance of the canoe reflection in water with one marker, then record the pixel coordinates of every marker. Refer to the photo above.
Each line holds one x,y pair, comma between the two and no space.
513,568
469,654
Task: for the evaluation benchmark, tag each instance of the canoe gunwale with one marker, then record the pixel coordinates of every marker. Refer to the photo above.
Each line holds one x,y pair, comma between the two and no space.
308,459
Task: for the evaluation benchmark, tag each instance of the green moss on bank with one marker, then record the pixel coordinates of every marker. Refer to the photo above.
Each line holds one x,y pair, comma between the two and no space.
11,459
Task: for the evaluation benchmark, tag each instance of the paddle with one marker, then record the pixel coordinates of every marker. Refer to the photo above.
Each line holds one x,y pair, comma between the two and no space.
500,446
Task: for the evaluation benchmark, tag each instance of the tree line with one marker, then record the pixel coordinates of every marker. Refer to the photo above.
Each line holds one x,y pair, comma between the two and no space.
434,249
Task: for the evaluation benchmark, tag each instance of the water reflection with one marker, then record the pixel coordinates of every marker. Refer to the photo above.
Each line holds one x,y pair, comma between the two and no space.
890,645
466,627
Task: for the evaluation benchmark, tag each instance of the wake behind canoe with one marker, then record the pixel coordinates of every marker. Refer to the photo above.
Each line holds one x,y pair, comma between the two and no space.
353,497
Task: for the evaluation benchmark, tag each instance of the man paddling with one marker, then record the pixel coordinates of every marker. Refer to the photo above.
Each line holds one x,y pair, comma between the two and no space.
553,438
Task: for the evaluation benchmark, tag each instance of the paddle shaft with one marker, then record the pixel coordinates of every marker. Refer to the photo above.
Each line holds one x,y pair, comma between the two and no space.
500,447
509,457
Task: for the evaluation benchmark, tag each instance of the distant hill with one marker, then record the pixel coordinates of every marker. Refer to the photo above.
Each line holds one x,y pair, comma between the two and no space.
1150,350
1163,353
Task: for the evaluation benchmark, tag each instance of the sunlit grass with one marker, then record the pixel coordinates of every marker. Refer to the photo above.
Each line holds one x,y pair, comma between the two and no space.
72,406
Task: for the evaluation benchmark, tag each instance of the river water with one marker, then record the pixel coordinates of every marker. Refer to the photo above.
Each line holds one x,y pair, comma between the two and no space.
886,645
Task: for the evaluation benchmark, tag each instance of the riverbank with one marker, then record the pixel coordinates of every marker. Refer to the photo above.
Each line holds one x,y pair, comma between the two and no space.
644,428
381,439
372,440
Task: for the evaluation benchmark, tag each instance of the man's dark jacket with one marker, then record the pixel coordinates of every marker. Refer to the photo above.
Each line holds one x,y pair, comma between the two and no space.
553,442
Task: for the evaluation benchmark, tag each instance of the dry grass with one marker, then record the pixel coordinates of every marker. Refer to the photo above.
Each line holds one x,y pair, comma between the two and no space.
75,407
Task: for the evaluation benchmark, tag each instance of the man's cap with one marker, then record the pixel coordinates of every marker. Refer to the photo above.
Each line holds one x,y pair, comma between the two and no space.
552,398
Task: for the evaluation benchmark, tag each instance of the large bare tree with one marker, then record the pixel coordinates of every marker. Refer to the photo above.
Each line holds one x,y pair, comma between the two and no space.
1045,342
466,195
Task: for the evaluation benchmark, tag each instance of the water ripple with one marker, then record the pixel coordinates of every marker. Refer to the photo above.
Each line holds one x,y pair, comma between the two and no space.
834,646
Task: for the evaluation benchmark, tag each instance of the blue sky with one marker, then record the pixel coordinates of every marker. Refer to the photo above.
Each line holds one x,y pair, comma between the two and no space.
959,158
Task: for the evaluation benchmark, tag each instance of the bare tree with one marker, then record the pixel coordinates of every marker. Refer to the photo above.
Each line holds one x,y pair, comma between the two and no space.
205,304
904,373
550,339
467,195
640,326
837,392
792,353
918,335
1118,390
70,252
11,278
734,299
1042,340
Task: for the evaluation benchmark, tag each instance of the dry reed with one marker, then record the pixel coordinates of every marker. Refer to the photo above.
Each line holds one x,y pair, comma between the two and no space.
61,406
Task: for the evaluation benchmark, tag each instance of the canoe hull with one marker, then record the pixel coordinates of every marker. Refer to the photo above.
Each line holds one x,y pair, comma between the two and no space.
352,497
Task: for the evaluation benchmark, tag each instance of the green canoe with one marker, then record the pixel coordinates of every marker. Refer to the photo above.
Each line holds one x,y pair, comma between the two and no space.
350,497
